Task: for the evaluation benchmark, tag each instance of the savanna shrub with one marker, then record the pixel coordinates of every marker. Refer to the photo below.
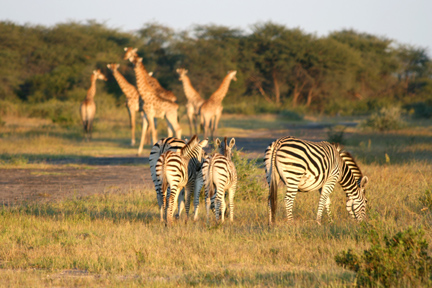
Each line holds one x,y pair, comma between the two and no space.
249,184
421,109
63,113
400,260
386,119
290,115
335,134
426,199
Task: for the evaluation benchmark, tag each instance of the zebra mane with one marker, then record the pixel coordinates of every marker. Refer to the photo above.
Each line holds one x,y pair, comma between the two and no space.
190,145
225,150
349,160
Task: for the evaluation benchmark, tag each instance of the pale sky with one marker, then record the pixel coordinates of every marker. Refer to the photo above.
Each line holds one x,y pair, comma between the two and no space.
407,22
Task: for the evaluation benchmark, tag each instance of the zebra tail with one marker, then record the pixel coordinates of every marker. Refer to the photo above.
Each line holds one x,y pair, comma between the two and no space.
273,186
164,179
210,180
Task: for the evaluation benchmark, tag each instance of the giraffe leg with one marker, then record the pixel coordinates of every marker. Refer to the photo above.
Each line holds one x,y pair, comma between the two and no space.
145,125
191,118
172,120
152,129
217,118
132,124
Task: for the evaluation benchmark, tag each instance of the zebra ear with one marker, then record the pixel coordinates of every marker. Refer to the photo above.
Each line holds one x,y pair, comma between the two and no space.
363,182
232,143
204,143
218,142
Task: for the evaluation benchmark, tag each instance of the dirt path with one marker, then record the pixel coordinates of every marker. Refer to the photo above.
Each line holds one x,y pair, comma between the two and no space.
95,175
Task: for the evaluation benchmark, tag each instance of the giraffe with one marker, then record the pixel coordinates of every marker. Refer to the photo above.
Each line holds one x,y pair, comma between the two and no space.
134,102
154,106
211,110
88,106
159,90
194,100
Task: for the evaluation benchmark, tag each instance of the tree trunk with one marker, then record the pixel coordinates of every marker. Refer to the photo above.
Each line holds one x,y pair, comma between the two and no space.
296,93
309,97
276,86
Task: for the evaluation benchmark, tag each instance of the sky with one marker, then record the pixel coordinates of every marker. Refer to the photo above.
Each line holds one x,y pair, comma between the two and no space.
405,21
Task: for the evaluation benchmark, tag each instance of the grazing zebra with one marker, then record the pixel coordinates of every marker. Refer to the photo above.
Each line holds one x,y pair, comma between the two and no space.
162,146
219,175
177,170
307,166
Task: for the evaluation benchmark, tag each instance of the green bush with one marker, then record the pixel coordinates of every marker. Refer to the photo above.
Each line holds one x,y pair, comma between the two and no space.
290,115
335,134
400,260
421,109
63,113
386,119
426,199
249,184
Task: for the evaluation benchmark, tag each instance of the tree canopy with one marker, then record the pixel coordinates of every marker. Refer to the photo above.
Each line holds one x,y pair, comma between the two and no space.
285,66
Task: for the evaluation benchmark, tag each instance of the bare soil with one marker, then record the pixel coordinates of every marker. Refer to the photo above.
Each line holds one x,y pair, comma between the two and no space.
95,175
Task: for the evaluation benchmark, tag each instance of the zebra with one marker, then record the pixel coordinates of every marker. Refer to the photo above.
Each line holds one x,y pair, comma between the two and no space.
219,174
307,166
177,170
162,146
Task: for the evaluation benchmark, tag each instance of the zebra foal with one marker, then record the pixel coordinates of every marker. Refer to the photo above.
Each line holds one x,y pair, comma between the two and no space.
219,175
305,166
177,170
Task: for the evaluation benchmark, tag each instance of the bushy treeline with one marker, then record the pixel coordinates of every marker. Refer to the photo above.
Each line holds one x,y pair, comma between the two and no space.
345,72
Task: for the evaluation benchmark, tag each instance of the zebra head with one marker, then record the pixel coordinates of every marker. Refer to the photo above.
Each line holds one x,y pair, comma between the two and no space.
226,149
356,205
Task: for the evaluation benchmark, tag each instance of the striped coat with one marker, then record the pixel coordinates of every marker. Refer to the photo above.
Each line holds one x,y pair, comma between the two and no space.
305,166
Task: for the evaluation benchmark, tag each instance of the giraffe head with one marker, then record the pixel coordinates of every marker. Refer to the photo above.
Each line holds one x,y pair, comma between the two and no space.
113,66
182,72
226,149
98,74
131,53
232,74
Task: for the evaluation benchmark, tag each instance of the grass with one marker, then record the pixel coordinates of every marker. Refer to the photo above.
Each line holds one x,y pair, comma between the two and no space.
116,239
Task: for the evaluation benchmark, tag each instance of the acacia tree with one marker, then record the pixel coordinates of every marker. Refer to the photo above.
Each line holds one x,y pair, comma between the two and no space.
415,67
276,50
376,75
208,53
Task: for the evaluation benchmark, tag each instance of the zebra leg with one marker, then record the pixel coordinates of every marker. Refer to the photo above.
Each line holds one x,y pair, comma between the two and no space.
218,202
207,201
289,202
181,203
223,207
188,194
173,199
199,182
325,200
231,193
160,199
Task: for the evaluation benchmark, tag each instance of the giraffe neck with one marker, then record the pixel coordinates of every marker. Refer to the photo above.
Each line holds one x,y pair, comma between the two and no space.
92,90
144,88
190,92
127,88
221,92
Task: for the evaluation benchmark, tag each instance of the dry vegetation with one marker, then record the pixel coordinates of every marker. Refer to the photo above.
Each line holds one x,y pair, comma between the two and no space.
116,238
